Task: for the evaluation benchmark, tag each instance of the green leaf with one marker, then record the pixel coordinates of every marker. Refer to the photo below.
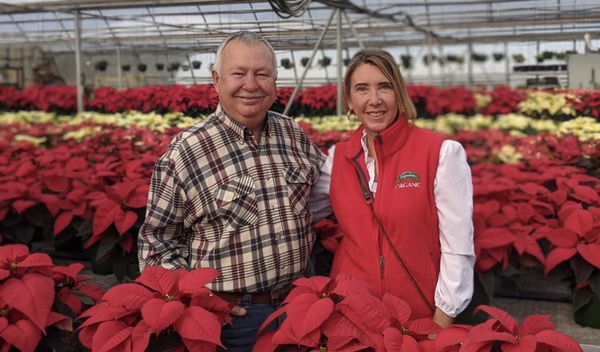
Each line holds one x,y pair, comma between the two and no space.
595,283
85,229
589,315
120,266
107,244
581,298
488,281
581,268
39,216
24,232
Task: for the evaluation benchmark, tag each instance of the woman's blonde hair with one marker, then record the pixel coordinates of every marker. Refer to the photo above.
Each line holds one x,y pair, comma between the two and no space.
385,62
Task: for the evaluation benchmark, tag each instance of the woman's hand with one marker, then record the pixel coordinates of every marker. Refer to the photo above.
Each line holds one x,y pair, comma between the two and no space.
442,319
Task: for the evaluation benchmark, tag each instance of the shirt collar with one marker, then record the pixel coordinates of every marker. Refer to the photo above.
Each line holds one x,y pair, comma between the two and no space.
239,129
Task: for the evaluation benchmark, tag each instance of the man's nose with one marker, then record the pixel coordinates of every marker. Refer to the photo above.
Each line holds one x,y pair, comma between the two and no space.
250,82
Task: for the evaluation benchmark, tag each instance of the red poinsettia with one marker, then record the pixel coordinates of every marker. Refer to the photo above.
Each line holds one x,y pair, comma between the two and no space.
159,302
29,285
344,314
535,333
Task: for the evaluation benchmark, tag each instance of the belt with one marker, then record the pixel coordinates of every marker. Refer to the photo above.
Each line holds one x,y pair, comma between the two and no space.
275,296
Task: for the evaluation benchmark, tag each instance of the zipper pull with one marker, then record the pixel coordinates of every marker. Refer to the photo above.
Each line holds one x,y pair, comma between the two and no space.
381,265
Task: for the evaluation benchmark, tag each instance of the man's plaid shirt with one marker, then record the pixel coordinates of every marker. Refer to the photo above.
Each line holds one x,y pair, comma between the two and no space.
217,199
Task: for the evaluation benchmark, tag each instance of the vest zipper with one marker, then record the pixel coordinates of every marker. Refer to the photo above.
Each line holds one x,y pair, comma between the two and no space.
379,160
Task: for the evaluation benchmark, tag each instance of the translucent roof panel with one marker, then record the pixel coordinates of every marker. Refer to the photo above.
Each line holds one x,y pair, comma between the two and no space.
199,26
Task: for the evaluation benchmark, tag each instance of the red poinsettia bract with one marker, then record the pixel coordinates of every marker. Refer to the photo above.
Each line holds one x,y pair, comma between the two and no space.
160,301
28,288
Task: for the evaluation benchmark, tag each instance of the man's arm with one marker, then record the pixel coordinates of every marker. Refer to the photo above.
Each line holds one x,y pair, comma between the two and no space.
161,241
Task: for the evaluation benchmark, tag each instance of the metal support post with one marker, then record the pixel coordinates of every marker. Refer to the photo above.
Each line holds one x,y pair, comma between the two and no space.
80,106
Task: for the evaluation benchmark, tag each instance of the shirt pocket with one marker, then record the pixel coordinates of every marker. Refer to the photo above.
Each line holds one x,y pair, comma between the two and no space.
236,202
299,181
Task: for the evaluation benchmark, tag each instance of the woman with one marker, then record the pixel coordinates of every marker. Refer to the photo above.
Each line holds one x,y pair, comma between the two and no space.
402,196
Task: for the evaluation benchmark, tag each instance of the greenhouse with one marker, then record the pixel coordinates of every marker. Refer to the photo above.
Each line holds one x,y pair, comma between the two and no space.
153,197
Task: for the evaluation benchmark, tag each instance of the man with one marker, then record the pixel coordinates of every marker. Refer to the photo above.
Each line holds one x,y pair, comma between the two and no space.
231,192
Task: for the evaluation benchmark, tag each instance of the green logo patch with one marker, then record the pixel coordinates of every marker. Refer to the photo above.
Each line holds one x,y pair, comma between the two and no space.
407,176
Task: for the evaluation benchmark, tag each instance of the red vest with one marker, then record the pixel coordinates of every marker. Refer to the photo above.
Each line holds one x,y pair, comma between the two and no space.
407,162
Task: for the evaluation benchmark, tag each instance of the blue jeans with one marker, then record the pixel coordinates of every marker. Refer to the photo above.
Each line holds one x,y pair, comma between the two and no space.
241,335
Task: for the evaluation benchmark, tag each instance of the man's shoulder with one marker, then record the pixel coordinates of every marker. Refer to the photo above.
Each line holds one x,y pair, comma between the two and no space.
279,117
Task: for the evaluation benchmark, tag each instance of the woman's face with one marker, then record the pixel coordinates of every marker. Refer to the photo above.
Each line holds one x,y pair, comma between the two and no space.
372,98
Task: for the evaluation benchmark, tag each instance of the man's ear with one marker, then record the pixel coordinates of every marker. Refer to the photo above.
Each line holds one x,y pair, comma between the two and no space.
215,78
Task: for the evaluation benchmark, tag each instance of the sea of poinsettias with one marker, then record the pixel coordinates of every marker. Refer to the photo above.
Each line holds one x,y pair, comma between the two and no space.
78,184
41,303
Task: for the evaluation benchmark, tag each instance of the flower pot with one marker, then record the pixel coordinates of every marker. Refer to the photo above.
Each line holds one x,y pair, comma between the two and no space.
589,315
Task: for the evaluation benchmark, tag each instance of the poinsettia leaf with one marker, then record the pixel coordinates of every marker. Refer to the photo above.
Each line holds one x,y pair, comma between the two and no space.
32,295
159,314
579,221
11,252
525,212
214,304
504,318
139,197
86,335
39,262
309,315
23,334
198,346
591,253
71,271
264,343
452,336
272,317
104,216
525,344
110,335
483,334
566,209
62,221
427,345
585,194
494,238
558,340
199,324
159,279
130,295
423,326
20,205
533,324
140,337
196,279
398,308
557,256
346,284
285,335
70,300
340,332
124,220
392,339
94,292
104,311
558,197
368,313
317,283
60,321
562,237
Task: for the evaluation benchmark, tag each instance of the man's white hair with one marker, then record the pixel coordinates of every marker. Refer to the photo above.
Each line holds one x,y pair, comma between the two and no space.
244,37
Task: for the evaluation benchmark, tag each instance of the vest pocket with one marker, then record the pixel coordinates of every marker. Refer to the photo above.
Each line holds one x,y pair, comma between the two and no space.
236,202
299,181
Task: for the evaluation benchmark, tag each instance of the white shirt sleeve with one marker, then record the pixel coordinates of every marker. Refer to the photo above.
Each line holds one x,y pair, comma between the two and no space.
319,203
453,190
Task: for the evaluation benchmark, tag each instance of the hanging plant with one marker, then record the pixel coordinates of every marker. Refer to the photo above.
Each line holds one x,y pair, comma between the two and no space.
548,55
286,63
159,66
185,67
406,61
477,57
325,61
142,67
455,58
560,56
426,60
126,67
498,56
539,58
346,62
173,66
101,65
196,64
518,58
304,61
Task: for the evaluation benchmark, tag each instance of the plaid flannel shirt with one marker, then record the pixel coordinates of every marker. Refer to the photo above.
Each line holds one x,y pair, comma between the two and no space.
217,199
